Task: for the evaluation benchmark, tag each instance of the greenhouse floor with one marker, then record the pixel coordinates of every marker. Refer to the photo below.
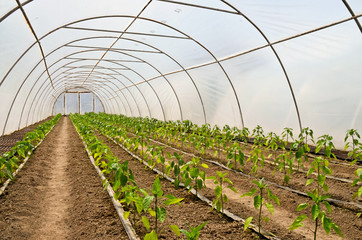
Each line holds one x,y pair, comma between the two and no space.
58,194
8,141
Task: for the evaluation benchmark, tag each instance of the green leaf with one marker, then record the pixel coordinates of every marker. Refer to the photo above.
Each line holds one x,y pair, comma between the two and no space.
327,224
315,211
310,171
151,236
336,229
204,165
309,181
146,223
251,193
175,229
257,201
270,207
302,206
218,191
194,172
298,222
173,200
157,188
321,179
126,215
199,183
161,214
147,202
247,222
328,206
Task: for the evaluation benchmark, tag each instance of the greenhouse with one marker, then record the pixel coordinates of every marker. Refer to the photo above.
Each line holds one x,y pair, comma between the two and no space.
180,119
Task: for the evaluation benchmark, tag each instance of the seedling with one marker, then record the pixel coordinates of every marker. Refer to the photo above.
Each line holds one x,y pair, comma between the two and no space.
354,135
259,200
220,197
319,165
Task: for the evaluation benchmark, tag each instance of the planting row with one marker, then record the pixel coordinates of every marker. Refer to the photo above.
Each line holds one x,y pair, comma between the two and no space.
10,161
248,159
147,207
175,166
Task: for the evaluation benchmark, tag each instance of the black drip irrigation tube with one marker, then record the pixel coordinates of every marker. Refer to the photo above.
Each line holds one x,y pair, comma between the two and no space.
227,213
351,205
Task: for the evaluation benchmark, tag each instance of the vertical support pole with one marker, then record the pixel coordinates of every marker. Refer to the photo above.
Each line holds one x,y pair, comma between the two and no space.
64,103
79,102
94,104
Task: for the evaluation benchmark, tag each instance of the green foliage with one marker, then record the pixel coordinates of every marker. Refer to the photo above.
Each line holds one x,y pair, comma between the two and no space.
259,201
220,197
194,232
320,166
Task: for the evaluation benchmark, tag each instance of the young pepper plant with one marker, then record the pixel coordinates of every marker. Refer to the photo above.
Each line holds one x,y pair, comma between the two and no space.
160,212
259,200
320,166
354,135
220,197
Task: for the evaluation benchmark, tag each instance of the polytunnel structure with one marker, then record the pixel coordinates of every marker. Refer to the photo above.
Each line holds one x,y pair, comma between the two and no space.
241,63
181,119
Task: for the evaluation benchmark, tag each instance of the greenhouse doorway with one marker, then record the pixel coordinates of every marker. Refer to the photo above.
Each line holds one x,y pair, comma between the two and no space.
77,102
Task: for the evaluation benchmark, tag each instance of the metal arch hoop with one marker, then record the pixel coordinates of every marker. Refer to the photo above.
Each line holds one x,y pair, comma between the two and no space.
277,56
352,14
89,88
59,81
103,90
68,79
177,62
110,69
147,19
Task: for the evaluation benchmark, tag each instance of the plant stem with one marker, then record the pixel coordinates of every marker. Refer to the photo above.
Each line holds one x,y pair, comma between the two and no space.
156,213
315,230
261,206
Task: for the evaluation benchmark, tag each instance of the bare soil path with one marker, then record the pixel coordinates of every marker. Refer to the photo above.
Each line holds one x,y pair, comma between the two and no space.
58,194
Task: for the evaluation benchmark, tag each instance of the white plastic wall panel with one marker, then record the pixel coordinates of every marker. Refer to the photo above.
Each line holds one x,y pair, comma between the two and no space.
219,100
153,101
160,61
185,51
211,28
6,6
168,98
146,70
47,15
205,3
263,91
284,18
15,39
12,84
189,98
356,6
140,100
86,103
59,105
325,69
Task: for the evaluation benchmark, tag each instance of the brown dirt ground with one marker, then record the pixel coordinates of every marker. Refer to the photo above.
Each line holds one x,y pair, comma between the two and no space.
58,194
285,214
192,210
9,140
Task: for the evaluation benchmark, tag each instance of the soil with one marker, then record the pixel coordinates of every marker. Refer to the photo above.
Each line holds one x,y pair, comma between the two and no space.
9,140
192,211
58,194
286,213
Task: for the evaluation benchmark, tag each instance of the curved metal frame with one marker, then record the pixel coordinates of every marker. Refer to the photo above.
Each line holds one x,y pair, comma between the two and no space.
147,19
